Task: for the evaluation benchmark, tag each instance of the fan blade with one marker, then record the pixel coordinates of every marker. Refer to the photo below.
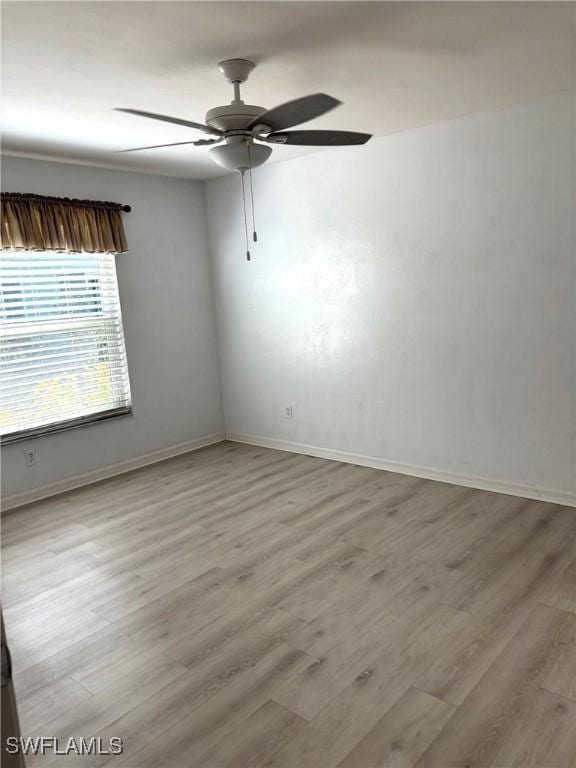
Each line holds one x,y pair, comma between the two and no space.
167,119
319,138
296,112
199,143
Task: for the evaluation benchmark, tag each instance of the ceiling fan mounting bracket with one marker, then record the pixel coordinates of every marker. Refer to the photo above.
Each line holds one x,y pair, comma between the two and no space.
236,70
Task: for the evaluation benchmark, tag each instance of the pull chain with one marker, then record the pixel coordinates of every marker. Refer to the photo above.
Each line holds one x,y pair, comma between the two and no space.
245,219
254,235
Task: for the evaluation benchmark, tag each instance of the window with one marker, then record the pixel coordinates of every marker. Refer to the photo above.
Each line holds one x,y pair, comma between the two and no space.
62,355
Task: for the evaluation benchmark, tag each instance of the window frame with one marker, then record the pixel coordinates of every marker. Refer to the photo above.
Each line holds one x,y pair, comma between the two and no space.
88,419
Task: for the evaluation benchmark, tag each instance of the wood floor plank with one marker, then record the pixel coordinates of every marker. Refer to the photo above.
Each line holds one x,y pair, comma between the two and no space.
349,717
485,721
479,641
33,643
254,742
50,701
259,608
400,737
179,727
100,712
314,687
563,591
561,677
545,736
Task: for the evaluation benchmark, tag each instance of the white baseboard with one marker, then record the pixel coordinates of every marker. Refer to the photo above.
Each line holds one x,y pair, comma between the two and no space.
564,498
513,489
87,478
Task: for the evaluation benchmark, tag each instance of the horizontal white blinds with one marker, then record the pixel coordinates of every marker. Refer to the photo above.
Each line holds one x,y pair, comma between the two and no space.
62,355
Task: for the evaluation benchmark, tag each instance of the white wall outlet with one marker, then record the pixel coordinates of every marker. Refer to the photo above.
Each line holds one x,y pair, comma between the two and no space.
30,457
288,412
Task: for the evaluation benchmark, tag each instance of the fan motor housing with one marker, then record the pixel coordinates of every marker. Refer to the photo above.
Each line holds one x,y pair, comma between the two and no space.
233,116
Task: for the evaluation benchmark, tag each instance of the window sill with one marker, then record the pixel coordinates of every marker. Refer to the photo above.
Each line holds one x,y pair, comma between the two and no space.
65,426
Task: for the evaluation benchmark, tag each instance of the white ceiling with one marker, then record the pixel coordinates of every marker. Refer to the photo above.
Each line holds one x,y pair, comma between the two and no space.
396,65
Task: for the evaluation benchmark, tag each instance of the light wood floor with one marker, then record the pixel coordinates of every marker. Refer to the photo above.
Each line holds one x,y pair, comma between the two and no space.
239,606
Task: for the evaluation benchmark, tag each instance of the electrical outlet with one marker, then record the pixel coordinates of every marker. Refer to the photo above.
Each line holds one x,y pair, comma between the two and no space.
288,412
30,457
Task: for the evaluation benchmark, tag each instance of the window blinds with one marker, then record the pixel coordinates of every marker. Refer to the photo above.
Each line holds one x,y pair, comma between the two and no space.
62,355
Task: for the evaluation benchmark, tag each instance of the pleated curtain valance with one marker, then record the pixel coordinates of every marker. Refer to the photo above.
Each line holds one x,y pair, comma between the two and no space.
38,223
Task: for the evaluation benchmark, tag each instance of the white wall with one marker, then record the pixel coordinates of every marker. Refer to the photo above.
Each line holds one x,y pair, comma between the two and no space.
414,300
169,325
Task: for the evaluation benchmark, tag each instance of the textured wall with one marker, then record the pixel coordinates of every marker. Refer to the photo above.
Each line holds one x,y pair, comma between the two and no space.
413,300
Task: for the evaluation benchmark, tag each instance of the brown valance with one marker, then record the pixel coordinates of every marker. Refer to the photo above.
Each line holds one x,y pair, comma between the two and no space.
38,223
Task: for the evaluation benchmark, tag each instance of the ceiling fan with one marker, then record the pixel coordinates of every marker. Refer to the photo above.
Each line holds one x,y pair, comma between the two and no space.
244,131
241,126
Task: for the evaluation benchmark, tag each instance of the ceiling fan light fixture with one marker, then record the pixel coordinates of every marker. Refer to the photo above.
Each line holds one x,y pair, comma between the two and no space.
235,156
